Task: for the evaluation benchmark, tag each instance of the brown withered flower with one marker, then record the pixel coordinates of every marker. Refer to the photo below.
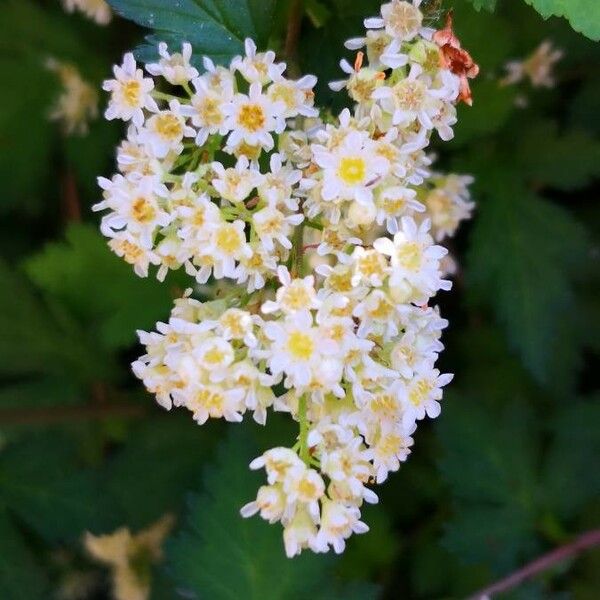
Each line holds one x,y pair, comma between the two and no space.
456,59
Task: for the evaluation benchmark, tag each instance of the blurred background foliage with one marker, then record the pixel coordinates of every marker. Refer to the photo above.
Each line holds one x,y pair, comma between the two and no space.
507,472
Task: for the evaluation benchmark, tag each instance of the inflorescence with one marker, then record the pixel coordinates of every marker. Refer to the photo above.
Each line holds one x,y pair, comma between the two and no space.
319,235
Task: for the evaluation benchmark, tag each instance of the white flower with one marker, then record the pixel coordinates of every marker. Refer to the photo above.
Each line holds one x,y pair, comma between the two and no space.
270,502
215,355
164,131
253,118
394,202
296,348
294,295
414,258
422,393
299,533
271,225
226,244
351,169
304,486
136,207
277,185
402,20
391,447
206,401
130,93
257,67
97,10
207,108
236,183
339,522
130,248
175,68
277,462
370,267
255,266
297,96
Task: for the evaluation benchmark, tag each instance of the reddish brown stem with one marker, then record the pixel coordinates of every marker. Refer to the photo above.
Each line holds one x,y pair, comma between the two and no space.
292,37
60,414
71,205
585,541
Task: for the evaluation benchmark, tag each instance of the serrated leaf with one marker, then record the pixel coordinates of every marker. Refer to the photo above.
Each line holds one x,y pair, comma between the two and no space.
20,576
169,452
489,5
565,161
217,542
35,338
584,15
524,254
569,477
489,460
42,481
500,536
29,35
98,287
492,106
215,28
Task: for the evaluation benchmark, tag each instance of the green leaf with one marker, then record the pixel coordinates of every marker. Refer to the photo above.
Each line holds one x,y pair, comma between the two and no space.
169,452
485,4
569,476
215,28
489,460
20,576
37,338
42,481
321,48
217,542
584,15
565,161
29,35
492,107
46,391
97,287
524,255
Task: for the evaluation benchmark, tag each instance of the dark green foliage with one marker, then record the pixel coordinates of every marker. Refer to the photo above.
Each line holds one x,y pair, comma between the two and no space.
63,271
508,471
216,537
215,28
20,576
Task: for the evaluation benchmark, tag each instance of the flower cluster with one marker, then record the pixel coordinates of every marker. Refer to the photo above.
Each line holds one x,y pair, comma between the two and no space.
96,10
77,104
319,239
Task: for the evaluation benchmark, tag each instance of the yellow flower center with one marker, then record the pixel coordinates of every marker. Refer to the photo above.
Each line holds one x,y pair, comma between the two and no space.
168,126
352,170
131,252
228,239
389,445
251,117
307,489
214,356
371,263
409,94
142,210
296,297
131,92
404,19
409,256
210,111
283,93
300,345
418,394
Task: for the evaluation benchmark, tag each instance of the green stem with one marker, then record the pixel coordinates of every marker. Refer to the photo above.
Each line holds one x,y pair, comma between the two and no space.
303,435
297,266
